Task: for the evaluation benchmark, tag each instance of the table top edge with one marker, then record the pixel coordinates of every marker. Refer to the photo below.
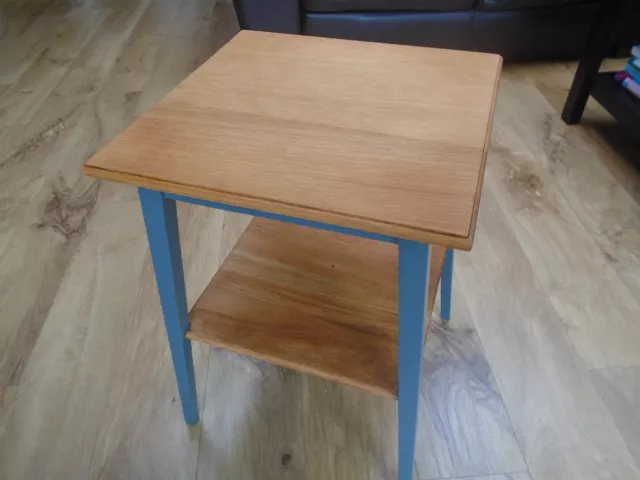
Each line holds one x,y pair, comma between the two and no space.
400,231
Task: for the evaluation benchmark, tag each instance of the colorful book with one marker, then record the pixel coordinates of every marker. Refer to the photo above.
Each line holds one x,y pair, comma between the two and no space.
632,86
621,76
634,72
635,62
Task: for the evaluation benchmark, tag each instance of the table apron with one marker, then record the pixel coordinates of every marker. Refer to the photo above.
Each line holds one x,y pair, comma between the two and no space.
283,218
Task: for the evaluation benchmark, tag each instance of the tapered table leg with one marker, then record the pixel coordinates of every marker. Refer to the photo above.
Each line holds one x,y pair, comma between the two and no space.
446,286
161,220
413,273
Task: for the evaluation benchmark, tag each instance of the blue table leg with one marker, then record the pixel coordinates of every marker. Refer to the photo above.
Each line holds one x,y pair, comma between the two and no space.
161,220
446,286
414,260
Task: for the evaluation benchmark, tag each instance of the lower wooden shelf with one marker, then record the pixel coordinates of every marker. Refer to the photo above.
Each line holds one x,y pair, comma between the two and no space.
310,300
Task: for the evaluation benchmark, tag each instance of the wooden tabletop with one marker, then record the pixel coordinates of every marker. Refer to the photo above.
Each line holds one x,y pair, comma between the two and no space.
384,138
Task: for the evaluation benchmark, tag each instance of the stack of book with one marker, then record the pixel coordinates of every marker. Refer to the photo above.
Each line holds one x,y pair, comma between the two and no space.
630,76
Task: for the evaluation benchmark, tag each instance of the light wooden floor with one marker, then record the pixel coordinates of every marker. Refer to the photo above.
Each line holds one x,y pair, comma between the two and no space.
537,378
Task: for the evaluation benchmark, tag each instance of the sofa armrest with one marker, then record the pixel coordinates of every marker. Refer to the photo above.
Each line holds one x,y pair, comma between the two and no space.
282,16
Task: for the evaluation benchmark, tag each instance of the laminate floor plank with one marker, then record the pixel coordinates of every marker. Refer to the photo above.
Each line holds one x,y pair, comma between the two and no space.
185,50
464,428
27,33
598,166
559,214
561,424
83,408
619,389
47,201
158,19
92,103
19,104
252,421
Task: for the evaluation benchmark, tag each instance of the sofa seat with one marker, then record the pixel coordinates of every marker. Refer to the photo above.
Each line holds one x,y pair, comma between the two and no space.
322,6
510,5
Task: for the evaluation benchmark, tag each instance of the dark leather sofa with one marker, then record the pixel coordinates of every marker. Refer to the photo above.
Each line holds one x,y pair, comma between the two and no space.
515,29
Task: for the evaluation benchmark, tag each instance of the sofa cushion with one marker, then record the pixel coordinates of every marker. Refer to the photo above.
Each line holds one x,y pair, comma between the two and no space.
506,5
387,5
540,34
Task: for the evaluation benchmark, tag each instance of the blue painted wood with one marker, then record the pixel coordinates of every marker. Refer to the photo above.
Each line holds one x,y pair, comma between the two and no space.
446,286
161,220
413,272
284,218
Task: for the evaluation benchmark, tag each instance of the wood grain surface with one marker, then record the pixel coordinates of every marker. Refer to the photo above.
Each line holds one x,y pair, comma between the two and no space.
52,351
314,301
268,425
464,427
384,138
619,389
530,354
87,389
565,236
